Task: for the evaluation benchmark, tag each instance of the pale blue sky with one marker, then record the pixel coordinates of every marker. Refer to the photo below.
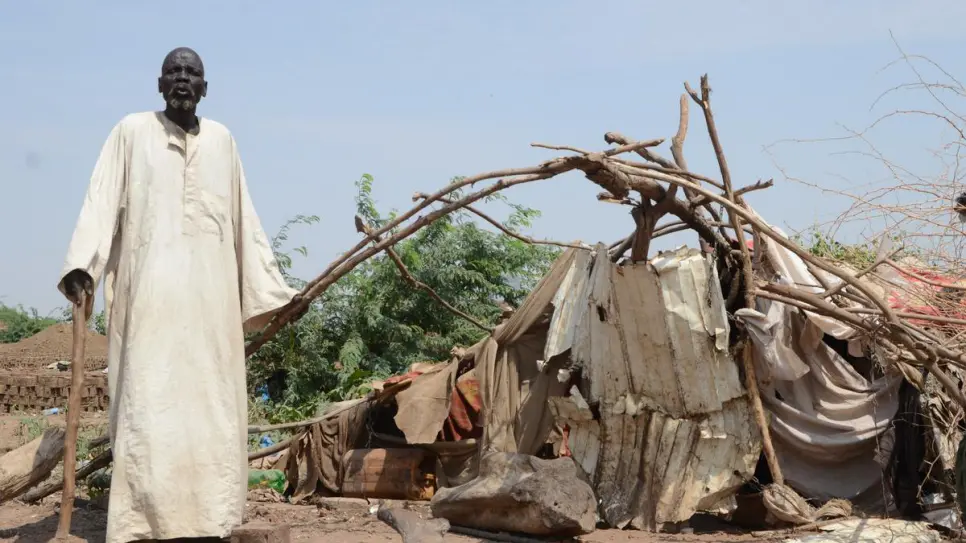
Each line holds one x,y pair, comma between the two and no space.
318,93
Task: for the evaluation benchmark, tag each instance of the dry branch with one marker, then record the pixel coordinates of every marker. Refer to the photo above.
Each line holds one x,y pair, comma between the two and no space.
747,273
760,185
278,447
503,228
100,461
363,250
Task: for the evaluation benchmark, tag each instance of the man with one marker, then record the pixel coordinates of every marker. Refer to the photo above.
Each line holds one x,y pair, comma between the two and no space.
169,225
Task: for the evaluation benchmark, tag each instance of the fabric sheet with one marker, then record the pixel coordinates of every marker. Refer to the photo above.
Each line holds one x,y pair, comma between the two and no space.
826,418
168,225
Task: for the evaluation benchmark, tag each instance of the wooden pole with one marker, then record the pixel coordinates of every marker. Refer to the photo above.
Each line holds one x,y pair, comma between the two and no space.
73,414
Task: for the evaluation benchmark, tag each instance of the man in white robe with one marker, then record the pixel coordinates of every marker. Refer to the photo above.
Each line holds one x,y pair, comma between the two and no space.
169,225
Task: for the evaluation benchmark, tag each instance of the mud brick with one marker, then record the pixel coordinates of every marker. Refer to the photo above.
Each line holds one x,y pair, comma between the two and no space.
261,532
25,380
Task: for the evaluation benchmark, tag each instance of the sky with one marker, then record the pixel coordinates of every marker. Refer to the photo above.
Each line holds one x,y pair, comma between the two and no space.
319,93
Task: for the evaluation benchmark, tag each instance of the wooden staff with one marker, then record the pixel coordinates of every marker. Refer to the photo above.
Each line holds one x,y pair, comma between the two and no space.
80,312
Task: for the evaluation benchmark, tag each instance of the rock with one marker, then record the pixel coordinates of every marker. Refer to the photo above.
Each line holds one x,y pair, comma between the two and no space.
522,493
261,532
412,527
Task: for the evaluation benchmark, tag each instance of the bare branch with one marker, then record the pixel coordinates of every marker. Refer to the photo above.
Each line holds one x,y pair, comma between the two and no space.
503,228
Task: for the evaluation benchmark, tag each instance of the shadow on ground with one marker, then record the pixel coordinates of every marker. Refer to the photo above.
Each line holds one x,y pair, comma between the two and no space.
88,523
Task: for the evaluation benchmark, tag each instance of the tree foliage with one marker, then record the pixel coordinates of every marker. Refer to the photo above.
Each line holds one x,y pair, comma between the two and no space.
372,323
858,255
20,323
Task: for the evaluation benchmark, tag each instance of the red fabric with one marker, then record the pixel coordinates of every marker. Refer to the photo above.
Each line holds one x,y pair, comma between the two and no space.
464,412
911,302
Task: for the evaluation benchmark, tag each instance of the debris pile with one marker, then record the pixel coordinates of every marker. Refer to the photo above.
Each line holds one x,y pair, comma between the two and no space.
675,382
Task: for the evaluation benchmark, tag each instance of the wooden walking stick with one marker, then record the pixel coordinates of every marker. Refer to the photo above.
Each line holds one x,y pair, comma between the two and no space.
81,311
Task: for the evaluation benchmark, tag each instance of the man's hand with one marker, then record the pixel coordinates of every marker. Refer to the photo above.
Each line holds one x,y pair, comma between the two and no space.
77,282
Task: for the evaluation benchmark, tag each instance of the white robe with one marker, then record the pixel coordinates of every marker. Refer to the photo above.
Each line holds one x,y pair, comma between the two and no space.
169,225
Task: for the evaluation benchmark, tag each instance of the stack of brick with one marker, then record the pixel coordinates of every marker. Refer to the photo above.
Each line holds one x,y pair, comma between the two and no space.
36,391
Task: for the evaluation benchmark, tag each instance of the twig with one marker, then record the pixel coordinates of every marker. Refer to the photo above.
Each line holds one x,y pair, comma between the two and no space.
560,148
911,316
678,226
758,185
661,165
503,228
878,262
363,228
677,142
641,146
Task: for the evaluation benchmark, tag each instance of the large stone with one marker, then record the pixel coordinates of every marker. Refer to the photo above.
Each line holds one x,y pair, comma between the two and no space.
522,493
261,532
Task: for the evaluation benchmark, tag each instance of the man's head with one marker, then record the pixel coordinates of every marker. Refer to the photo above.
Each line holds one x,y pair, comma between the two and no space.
182,82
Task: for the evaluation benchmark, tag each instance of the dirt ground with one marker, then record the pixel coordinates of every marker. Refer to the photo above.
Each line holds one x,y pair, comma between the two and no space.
342,522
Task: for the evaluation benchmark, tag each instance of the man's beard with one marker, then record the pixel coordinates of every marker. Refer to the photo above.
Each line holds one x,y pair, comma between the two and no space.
186,104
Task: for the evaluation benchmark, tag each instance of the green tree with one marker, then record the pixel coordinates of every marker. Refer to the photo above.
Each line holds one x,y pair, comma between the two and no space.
371,323
19,323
